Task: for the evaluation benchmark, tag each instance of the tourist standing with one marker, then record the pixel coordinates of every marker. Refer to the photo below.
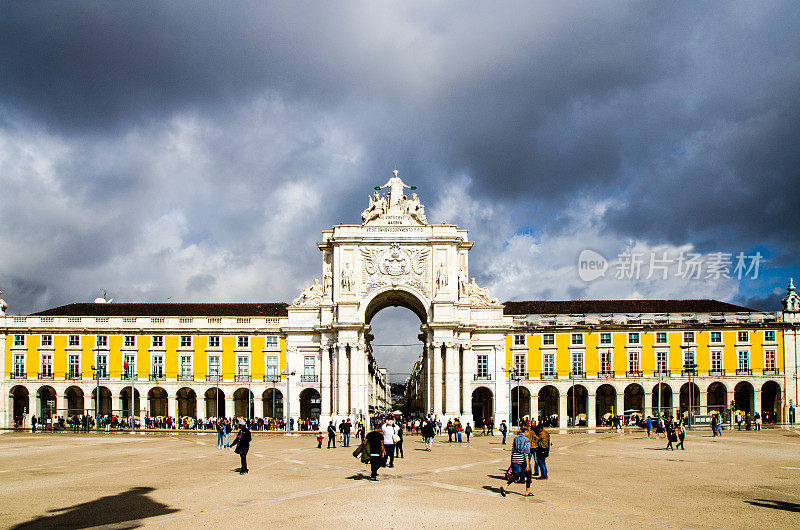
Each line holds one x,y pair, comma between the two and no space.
346,433
503,431
490,426
681,436
427,434
220,434
671,436
331,435
242,445
520,464
389,434
377,451
33,423
468,431
542,449
398,446
449,429
649,425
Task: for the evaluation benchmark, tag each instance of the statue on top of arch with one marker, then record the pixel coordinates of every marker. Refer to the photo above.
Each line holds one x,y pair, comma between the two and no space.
394,202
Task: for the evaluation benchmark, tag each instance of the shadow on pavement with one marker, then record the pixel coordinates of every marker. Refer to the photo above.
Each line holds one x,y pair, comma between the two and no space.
127,507
360,476
777,505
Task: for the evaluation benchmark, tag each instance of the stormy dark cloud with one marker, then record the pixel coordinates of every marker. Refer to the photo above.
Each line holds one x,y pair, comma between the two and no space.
194,151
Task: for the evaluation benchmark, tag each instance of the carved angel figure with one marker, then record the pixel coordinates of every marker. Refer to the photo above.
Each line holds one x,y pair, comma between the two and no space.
480,295
376,208
415,209
309,295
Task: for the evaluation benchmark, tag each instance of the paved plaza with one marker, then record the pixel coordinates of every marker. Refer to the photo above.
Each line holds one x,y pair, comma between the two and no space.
743,480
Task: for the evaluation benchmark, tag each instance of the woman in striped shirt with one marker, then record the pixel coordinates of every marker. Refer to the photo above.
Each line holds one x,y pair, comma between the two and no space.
520,463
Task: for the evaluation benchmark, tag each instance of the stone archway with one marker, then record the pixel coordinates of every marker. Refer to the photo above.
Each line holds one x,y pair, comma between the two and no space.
272,403
605,401
666,400
520,404
187,403
482,406
215,403
46,402
104,406
74,398
633,399
744,396
19,401
125,399
243,403
690,398
771,406
548,404
577,415
157,400
717,398
310,404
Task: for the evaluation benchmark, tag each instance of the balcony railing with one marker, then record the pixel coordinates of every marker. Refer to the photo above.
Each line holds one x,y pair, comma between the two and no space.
185,377
73,377
605,374
772,371
48,376
517,375
664,373
548,375
633,373
717,373
272,379
744,371
157,377
213,378
18,375
482,377
242,378
101,376
128,377
309,378
688,371
577,375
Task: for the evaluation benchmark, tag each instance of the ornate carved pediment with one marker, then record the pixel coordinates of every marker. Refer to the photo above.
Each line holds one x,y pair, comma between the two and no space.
395,265
393,207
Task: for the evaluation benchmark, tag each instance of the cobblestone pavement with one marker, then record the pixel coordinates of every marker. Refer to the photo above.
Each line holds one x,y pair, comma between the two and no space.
743,480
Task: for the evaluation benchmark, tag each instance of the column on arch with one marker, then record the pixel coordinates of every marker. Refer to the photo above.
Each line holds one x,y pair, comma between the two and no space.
229,409
451,379
467,365
756,400
325,384
591,410
534,405
356,369
562,408
619,401
702,401
172,409
436,379
342,380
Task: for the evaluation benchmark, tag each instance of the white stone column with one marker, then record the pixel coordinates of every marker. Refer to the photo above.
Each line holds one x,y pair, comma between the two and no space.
437,380
356,383
342,381
172,405
229,410
325,382
756,401
534,406
562,409
619,403
466,366
591,410
451,373
703,401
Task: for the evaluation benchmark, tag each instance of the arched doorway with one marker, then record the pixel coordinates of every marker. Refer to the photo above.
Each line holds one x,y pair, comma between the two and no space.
482,406
19,398
215,403
666,400
771,406
187,402
605,400
548,404
310,404
633,399
125,397
157,398
243,403
47,404
520,404
744,395
577,408
717,398
75,402
105,408
272,401
690,397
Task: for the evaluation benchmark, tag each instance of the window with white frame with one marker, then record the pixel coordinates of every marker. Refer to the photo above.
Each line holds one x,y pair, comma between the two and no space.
213,341
605,338
47,340
548,339
272,365
186,365
158,341
605,361
158,365
688,359
716,360
213,366
242,341
129,341
577,363
101,341
18,368
483,366
129,366
716,336
242,365
743,336
688,337
101,364
577,339
74,365
47,365
633,338
74,340
520,364
661,337
661,362
309,366
519,340
769,360
633,362
272,341
19,340
186,341
769,336
549,363
743,357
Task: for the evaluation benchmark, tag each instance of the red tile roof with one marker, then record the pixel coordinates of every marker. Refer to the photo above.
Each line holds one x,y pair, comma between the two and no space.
168,310
582,307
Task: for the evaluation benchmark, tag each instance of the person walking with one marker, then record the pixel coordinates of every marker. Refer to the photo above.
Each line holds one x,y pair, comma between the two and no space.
649,425
681,436
459,430
713,425
427,434
331,435
377,451
520,464
490,426
389,434
398,446
503,430
220,435
468,431
542,449
346,433
241,445
228,427
449,429
33,423
671,436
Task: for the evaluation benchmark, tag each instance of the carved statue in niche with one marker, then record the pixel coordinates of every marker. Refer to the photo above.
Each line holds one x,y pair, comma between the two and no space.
441,277
347,278
310,296
463,285
415,209
327,277
480,295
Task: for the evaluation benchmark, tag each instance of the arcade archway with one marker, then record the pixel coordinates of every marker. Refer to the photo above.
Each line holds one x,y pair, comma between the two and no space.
482,405
187,402
577,407
771,402
744,395
215,403
633,399
520,404
717,398
157,400
310,404
75,401
272,403
548,404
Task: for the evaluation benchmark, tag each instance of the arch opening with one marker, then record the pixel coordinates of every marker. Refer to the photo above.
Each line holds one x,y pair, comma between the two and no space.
771,402
520,404
482,406
577,408
187,402
606,397
310,404
548,404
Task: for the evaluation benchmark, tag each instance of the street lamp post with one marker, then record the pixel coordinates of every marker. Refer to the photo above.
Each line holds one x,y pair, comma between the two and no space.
287,400
96,399
133,394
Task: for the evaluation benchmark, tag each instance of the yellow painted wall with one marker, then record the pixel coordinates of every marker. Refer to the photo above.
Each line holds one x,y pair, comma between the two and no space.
200,368
87,355
620,353
563,359
143,361
779,350
534,355
257,368
114,355
702,355
591,358
756,351
282,361
59,355
32,355
729,351
228,343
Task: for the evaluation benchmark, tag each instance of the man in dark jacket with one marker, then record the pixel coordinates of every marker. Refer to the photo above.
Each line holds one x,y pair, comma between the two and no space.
242,445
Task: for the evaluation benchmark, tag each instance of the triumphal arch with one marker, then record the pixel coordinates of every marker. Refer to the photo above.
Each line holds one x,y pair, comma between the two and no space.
396,258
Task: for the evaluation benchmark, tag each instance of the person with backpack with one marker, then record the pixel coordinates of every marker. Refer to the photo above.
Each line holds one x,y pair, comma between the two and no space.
542,449
503,430
520,464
